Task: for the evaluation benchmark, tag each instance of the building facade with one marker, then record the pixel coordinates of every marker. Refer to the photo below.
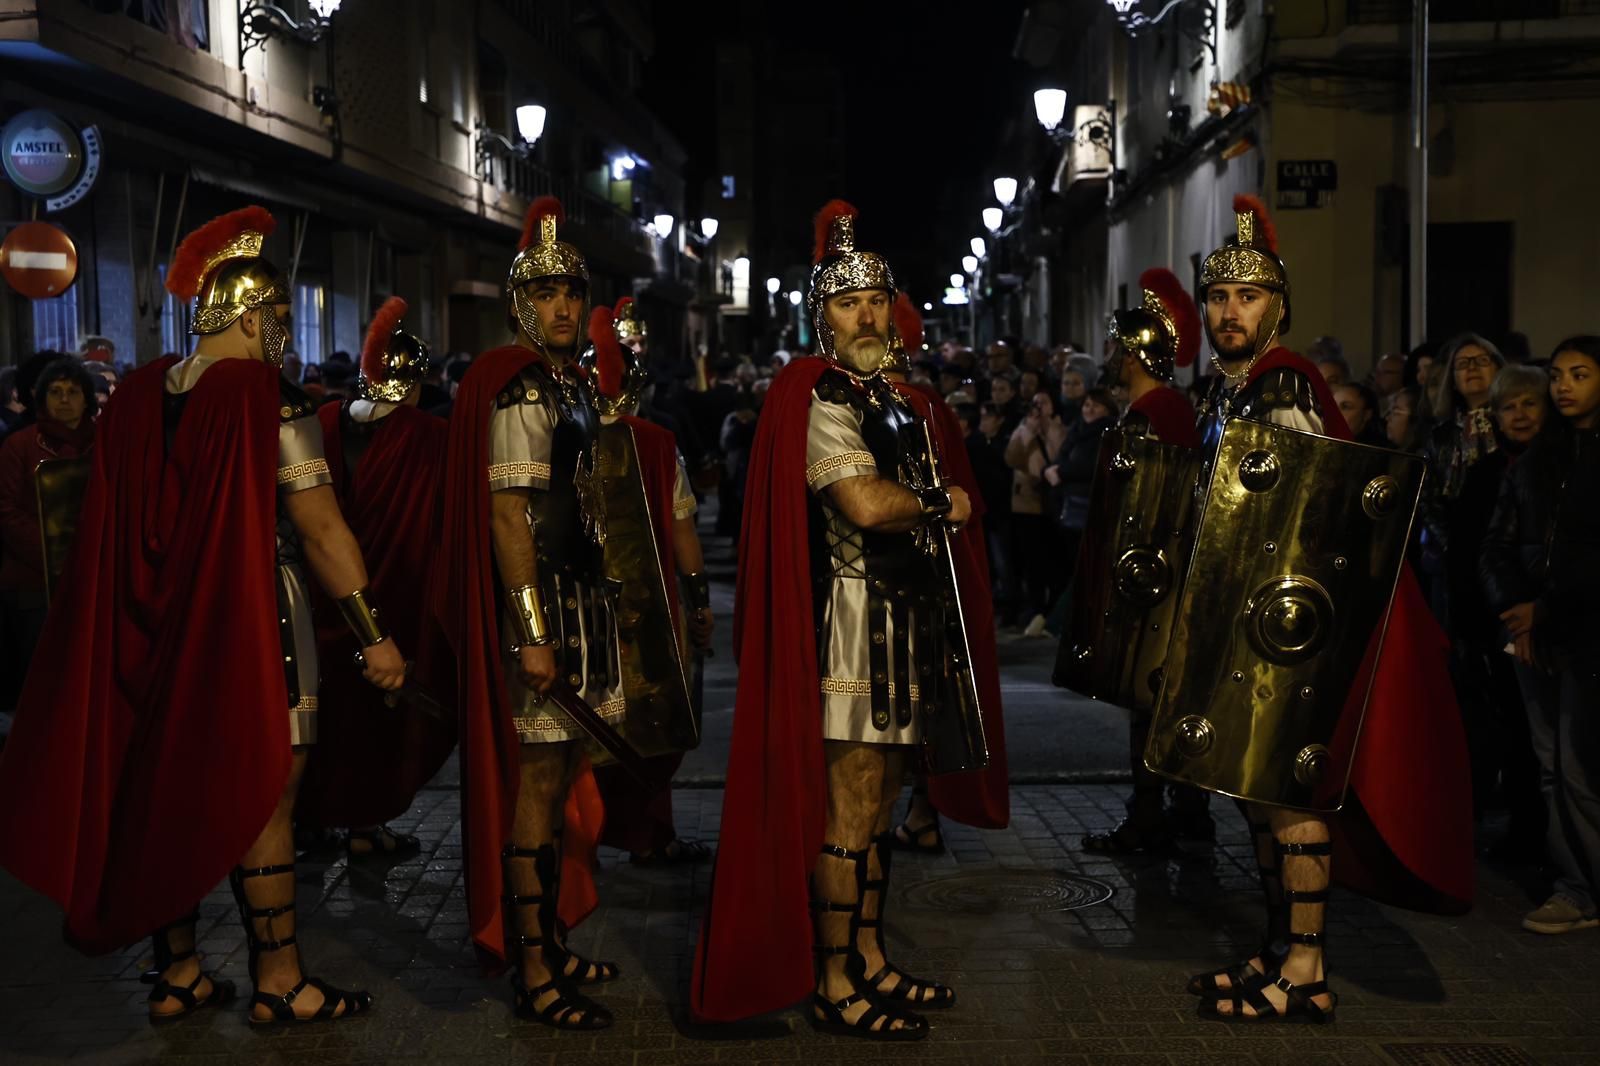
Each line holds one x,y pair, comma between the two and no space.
383,136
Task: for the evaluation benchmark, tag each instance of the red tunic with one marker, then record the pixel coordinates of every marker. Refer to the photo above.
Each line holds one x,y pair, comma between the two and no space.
463,599
1170,414
1405,834
152,739
372,757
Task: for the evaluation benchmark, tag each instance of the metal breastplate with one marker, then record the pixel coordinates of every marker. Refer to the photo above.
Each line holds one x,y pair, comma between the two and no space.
568,519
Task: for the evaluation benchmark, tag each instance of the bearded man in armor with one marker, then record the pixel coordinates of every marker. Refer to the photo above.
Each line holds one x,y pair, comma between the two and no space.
1313,557
165,726
522,597
852,655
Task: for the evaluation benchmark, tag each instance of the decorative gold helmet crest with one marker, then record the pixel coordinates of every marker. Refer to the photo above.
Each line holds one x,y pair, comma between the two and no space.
628,322
219,266
1250,257
541,255
1163,332
393,362
837,267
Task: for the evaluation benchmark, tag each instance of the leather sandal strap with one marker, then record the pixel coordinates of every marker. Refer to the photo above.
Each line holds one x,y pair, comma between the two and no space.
521,901
1295,895
511,851
268,912
265,871
1323,847
1310,939
822,906
840,852
274,945
830,949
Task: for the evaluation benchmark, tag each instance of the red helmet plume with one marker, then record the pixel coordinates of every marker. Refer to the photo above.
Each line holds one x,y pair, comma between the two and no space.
607,352
824,224
544,205
908,323
1244,203
188,270
1180,308
376,346
620,312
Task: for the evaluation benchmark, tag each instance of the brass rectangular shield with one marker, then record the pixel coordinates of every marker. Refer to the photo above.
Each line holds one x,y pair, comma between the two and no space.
660,717
1130,568
1299,546
60,485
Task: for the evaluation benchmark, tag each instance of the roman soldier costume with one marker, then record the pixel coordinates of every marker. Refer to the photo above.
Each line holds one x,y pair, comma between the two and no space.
386,464
179,666
844,635
1301,536
639,812
1133,557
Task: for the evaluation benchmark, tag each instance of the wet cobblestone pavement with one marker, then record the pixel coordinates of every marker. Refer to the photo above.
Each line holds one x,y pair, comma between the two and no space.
1099,983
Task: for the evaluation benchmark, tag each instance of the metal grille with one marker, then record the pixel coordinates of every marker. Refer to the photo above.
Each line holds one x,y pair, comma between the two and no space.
1457,1055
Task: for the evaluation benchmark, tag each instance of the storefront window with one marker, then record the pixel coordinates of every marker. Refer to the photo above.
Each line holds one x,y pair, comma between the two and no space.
55,322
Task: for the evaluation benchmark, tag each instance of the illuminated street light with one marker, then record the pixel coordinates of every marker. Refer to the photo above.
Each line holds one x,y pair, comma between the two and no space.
622,166
663,224
708,226
773,285
969,263
1050,106
794,297
1005,190
325,8
979,249
958,281
530,121
927,307
993,219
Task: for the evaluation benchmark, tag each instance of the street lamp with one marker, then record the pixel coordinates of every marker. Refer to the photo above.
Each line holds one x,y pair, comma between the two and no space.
927,307
773,285
794,297
261,21
1050,107
979,249
622,166
993,219
1005,190
530,123
663,225
708,226
958,281
969,263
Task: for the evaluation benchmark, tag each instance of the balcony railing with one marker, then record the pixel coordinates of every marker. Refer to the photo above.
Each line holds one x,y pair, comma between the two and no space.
529,180
1364,11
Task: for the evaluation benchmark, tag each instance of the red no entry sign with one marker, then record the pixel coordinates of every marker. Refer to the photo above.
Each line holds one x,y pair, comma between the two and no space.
38,260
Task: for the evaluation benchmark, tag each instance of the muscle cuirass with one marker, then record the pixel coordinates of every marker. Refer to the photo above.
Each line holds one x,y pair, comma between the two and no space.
567,520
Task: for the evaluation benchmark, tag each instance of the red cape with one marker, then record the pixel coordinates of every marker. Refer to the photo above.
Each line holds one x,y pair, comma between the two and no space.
639,814
1171,416
127,789
981,798
371,758
1405,834
464,599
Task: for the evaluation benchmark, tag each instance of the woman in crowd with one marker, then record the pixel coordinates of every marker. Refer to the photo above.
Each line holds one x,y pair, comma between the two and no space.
1540,567
1036,441
1071,476
1359,404
1402,425
65,408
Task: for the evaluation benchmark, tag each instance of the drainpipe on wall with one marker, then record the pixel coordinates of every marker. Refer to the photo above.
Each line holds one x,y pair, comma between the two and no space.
1418,283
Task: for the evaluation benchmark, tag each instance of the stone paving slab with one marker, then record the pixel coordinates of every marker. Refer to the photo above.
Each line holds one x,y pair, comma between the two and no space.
1101,984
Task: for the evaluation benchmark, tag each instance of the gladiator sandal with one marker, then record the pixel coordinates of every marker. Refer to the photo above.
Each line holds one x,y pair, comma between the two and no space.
912,991
563,1007
927,838
876,1021
336,1003
574,967
382,844
1307,910
166,946
1274,944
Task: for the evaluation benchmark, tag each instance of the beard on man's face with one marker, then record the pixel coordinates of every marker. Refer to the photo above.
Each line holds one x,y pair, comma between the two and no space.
1232,340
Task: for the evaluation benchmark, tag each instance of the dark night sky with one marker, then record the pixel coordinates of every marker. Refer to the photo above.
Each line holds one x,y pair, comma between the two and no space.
930,90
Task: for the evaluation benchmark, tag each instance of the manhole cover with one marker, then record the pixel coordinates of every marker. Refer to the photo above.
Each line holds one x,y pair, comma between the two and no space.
1457,1055
1010,891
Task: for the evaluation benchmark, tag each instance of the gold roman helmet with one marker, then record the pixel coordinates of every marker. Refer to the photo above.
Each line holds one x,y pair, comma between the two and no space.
1250,257
628,322
1161,333
220,267
541,255
393,362
838,267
